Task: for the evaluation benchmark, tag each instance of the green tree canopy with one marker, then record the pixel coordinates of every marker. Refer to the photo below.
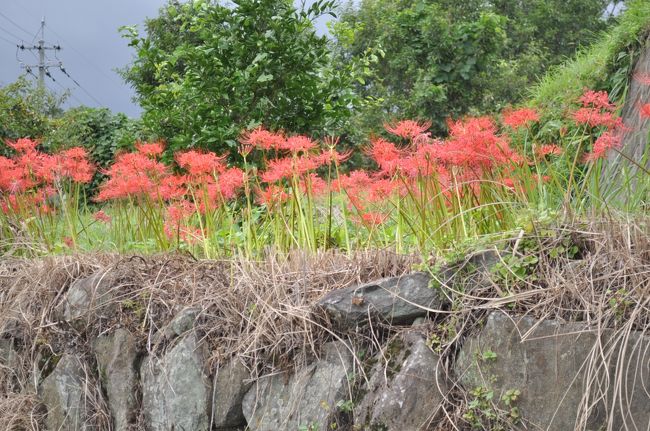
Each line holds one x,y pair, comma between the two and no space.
204,71
447,58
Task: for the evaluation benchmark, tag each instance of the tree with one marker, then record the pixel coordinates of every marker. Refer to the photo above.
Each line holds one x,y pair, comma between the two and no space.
204,71
447,58
434,56
26,110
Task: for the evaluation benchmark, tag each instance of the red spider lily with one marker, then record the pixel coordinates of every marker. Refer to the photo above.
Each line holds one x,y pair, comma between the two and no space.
132,174
176,216
271,196
287,167
74,164
297,144
386,154
594,117
474,144
171,187
407,129
230,182
200,164
357,180
23,145
102,217
549,149
371,219
518,118
262,139
150,149
10,173
330,156
470,125
644,110
313,185
69,242
597,99
607,141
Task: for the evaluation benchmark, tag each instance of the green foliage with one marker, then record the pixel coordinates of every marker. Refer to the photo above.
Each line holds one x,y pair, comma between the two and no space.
433,61
204,71
482,413
445,58
26,110
605,65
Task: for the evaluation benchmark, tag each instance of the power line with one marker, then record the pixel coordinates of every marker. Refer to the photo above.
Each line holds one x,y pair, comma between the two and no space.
82,55
15,25
8,41
10,34
65,72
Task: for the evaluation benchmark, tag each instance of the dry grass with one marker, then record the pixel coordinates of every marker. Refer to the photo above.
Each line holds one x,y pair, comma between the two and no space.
263,311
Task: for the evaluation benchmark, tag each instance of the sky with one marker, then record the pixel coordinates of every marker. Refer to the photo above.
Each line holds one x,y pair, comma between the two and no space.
92,48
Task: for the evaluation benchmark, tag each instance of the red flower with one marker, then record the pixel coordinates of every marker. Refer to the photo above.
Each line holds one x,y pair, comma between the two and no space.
150,149
644,110
101,216
200,164
597,99
171,187
262,139
386,155
520,117
596,118
605,142
23,145
407,129
298,144
229,182
272,195
550,149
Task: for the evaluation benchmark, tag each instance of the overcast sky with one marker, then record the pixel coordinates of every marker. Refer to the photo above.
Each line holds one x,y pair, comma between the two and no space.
92,48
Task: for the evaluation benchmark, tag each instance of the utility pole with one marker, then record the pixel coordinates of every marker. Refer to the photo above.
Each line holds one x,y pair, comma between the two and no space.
42,65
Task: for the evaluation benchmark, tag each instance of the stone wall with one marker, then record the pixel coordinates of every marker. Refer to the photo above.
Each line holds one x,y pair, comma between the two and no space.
514,372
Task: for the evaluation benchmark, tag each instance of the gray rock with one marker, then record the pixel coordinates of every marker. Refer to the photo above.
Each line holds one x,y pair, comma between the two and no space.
407,392
63,393
309,397
86,298
116,358
176,391
230,386
554,368
398,300
181,323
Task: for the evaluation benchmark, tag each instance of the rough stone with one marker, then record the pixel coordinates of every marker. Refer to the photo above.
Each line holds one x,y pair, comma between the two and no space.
399,300
308,397
176,391
230,386
406,393
554,366
62,392
116,358
181,323
87,297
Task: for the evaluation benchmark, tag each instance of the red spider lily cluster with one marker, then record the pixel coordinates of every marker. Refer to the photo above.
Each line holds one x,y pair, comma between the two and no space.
31,177
479,155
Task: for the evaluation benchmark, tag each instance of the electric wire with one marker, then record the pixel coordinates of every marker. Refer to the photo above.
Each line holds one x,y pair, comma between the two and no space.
15,24
65,72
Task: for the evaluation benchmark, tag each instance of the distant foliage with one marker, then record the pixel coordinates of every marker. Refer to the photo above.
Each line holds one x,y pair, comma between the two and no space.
456,57
204,70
